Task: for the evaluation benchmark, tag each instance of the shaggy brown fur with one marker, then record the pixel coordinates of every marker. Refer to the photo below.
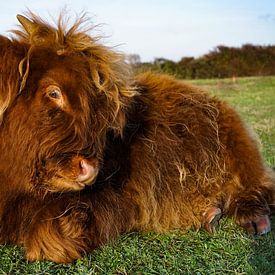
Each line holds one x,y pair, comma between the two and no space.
160,153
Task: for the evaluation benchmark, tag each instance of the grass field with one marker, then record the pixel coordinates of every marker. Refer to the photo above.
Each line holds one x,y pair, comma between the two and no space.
229,251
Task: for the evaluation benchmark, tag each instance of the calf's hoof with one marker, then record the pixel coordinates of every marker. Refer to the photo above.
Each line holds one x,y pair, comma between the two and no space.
210,219
258,225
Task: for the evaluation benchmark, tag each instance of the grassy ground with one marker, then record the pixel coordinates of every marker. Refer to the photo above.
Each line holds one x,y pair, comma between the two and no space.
229,251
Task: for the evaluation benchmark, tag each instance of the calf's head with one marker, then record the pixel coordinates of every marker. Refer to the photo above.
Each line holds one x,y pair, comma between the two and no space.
60,94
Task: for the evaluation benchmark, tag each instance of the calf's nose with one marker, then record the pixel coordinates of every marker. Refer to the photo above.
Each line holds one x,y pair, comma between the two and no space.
87,171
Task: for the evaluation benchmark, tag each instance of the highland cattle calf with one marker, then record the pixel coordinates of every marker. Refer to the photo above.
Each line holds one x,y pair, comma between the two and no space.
89,151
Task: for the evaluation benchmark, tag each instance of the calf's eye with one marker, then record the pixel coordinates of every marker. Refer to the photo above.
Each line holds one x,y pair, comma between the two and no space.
56,94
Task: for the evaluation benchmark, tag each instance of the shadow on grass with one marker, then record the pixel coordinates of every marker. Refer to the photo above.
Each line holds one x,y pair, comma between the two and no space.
263,256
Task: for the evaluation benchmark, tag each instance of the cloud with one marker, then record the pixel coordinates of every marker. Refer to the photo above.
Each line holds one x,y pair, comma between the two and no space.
268,17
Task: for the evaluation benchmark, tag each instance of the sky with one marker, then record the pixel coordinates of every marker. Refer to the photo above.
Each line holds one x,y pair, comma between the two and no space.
162,28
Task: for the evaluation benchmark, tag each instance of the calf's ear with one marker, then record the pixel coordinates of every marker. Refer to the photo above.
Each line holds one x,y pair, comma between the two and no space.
113,78
121,96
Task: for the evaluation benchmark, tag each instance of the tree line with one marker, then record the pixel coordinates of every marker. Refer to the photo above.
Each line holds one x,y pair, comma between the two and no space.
222,62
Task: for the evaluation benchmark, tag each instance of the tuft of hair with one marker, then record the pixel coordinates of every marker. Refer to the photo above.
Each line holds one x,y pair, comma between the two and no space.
108,68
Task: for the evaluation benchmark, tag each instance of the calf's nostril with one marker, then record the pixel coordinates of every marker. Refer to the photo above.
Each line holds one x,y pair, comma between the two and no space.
83,167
